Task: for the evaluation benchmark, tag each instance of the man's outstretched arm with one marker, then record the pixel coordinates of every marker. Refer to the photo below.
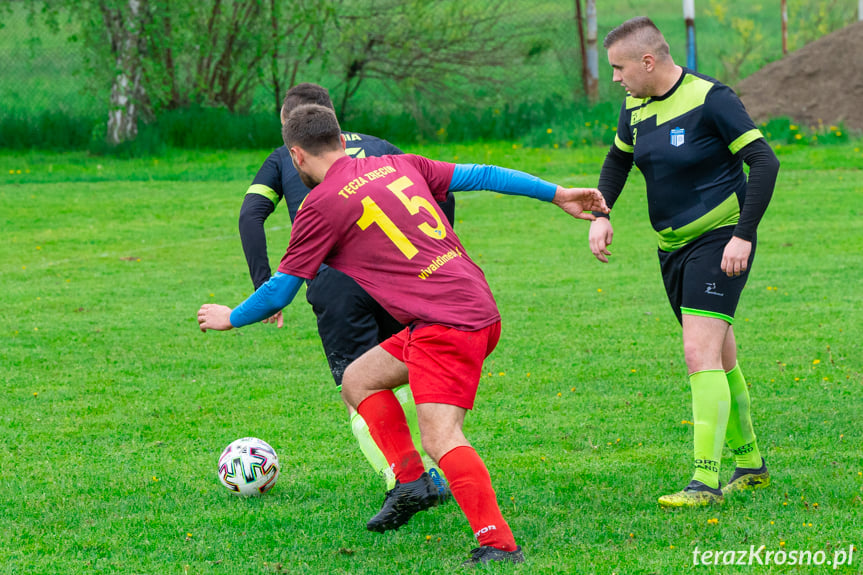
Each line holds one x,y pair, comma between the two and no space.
271,297
574,201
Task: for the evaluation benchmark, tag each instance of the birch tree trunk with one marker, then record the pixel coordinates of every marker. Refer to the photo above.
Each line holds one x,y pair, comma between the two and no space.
127,92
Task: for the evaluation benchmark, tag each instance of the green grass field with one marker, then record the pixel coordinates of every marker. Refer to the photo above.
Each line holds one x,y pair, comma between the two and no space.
114,407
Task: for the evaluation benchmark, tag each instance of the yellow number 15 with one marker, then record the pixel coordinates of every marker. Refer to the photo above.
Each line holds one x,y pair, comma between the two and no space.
372,214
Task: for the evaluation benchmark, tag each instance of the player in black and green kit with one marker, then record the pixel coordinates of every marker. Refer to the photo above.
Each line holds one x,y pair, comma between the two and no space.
690,136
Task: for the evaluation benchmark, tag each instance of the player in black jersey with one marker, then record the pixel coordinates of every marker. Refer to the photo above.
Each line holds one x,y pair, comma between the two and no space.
690,136
349,321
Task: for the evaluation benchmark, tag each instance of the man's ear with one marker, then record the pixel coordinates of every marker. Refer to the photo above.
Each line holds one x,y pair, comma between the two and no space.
299,156
648,62
344,141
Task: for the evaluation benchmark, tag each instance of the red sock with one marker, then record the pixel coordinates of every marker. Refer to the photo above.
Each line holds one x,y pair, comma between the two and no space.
388,427
470,484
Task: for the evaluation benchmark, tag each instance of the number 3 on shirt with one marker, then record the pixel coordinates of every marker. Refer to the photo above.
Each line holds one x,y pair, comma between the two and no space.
372,214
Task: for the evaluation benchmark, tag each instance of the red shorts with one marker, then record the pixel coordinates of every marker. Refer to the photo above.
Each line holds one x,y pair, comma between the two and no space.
444,364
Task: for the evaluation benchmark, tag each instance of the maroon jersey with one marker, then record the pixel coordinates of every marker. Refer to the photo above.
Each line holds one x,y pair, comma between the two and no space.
377,220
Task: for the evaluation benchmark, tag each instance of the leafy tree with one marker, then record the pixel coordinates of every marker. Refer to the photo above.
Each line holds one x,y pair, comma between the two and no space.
419,48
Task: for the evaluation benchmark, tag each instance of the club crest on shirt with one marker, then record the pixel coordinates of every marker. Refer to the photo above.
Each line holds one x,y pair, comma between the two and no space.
677,137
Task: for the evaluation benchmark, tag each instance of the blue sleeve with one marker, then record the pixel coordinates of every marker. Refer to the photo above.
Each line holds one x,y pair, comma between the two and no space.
274,295
503,180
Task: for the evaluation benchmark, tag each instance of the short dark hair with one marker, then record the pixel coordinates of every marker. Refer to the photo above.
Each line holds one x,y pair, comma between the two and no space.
306,93
643,31
312,127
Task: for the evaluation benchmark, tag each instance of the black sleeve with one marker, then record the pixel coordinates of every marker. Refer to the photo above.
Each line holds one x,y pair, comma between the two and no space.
255,210
763,169
392,150
612,177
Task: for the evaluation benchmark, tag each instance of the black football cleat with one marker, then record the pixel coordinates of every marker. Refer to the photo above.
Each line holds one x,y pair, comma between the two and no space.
486,554
403,501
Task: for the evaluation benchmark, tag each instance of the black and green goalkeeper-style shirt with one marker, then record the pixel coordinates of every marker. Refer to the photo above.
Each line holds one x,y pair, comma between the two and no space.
688,145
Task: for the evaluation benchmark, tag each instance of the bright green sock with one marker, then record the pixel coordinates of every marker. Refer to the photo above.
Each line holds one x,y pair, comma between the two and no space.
406,399
370,449
740,436
710,407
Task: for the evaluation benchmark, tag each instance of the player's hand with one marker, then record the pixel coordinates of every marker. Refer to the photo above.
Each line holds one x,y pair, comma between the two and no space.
276,318
600,237
214,316
735,257
579,202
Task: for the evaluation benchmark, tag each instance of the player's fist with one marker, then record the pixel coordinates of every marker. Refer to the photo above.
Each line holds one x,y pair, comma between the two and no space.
214,316
600,237
578,202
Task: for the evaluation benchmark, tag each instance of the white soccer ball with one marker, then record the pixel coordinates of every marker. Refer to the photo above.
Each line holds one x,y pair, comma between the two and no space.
249,466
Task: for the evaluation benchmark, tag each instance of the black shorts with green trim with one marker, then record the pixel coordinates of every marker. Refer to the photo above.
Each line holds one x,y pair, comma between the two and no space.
694,281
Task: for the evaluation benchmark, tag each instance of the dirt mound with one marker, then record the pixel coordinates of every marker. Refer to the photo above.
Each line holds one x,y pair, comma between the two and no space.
821,81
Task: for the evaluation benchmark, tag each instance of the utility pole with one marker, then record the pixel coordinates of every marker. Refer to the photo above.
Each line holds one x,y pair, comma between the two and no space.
592,54
785,26
689,19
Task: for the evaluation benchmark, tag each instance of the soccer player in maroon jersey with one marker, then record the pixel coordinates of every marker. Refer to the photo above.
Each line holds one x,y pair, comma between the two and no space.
376,219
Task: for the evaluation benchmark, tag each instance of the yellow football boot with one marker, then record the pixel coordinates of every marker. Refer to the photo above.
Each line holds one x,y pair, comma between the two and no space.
695,494
748,478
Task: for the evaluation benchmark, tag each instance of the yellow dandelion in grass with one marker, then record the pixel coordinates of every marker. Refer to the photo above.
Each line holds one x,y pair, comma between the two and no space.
528,374
860,473
793,127
542,458
155,478
782,543
771,523
686,422
35,393
515,146
713,521
784,504
501,373
631,535
38,247
559,394
489,374
816,361
633,371
212,295
814,505
573,389
798,137
428,537
548,131
796,379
